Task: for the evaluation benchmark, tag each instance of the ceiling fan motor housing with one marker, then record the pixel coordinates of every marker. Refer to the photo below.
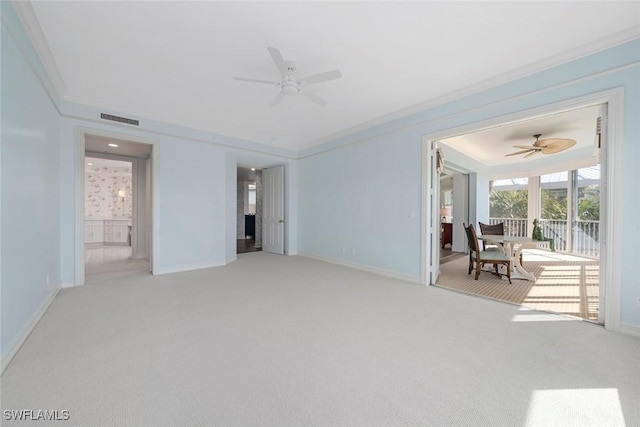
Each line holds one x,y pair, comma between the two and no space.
289,87
291,66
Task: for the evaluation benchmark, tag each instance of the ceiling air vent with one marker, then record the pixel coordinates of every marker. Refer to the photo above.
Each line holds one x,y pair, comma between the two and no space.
119,119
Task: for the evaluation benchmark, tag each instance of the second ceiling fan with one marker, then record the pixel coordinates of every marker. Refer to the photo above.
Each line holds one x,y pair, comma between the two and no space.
289,84
544,146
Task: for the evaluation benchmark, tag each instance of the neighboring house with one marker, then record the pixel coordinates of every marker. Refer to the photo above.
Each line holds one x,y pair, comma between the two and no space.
374,215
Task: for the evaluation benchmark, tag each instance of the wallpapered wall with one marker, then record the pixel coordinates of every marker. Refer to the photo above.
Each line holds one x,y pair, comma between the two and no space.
101,187
242,189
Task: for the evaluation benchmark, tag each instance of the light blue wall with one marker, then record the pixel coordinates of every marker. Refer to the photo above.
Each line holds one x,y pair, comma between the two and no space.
231,182
196,191
39,176
191,206
30,192
478,185
358,194
356,199
361,203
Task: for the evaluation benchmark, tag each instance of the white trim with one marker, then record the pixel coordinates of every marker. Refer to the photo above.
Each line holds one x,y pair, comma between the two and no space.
66,285
81,132
519,73
610,258
189,267
79,209
362,267
29,20
632,330
463,129
20,339
424,204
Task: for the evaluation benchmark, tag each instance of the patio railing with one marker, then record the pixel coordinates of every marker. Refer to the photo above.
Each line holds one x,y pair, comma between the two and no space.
516,227
585,233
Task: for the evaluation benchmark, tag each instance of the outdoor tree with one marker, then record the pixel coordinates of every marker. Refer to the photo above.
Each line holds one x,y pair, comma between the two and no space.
589,204
508,204
554,204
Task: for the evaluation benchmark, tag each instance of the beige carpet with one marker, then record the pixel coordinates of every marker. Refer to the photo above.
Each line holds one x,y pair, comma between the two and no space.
290,341
564,284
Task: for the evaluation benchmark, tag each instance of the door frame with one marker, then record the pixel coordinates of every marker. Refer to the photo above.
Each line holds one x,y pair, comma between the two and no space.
81,132
430,223
611,250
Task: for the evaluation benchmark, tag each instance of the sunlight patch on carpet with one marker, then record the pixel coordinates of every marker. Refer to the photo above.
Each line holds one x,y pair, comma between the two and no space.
575,407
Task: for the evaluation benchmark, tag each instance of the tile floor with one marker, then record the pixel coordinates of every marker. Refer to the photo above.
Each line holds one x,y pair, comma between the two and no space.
106,262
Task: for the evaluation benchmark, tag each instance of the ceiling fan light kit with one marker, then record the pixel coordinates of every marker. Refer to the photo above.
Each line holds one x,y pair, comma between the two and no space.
290,85
544,146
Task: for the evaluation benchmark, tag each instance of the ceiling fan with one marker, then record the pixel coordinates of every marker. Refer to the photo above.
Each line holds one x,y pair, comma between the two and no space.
289,84
544,146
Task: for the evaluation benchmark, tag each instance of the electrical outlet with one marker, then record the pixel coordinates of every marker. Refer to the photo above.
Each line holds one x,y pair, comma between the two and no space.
353,251
47,279
638,302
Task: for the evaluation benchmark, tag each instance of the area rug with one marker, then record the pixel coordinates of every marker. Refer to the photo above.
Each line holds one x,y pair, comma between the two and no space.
566,285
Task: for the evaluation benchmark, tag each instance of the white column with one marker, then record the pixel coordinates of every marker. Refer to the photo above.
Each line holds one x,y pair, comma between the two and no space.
572,207
533,209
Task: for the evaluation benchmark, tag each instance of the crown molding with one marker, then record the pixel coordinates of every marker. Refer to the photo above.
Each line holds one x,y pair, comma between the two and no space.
32,27
519,73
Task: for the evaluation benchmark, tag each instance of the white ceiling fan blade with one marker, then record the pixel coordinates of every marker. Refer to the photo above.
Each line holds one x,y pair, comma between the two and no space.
519,152
524,147
245,79
322,77
531,154
277,99
314,98
277,59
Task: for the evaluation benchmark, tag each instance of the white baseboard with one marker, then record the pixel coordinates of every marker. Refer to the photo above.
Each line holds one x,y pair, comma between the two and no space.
20,339
187,267
630,329
378,271
67,285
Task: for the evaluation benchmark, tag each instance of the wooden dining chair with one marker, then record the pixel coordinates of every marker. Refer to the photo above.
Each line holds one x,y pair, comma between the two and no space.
477,257
493,229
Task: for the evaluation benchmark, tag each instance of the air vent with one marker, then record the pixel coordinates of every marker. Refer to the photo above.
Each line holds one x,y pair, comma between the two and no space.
119,119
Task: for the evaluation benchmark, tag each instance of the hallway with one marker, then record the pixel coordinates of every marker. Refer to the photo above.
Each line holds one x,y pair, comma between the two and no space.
109,262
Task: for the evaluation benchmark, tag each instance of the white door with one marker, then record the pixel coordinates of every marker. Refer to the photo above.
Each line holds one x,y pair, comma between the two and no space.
433,216
603,133
273,210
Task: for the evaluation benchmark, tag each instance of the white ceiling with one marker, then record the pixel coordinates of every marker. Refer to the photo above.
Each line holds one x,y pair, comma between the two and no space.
97,162
174,61
100,144
490,146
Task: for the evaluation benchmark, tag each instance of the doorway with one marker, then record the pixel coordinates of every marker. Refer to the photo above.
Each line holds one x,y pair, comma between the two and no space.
260,228
453,202
108,213
115,208
249,209
608,103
